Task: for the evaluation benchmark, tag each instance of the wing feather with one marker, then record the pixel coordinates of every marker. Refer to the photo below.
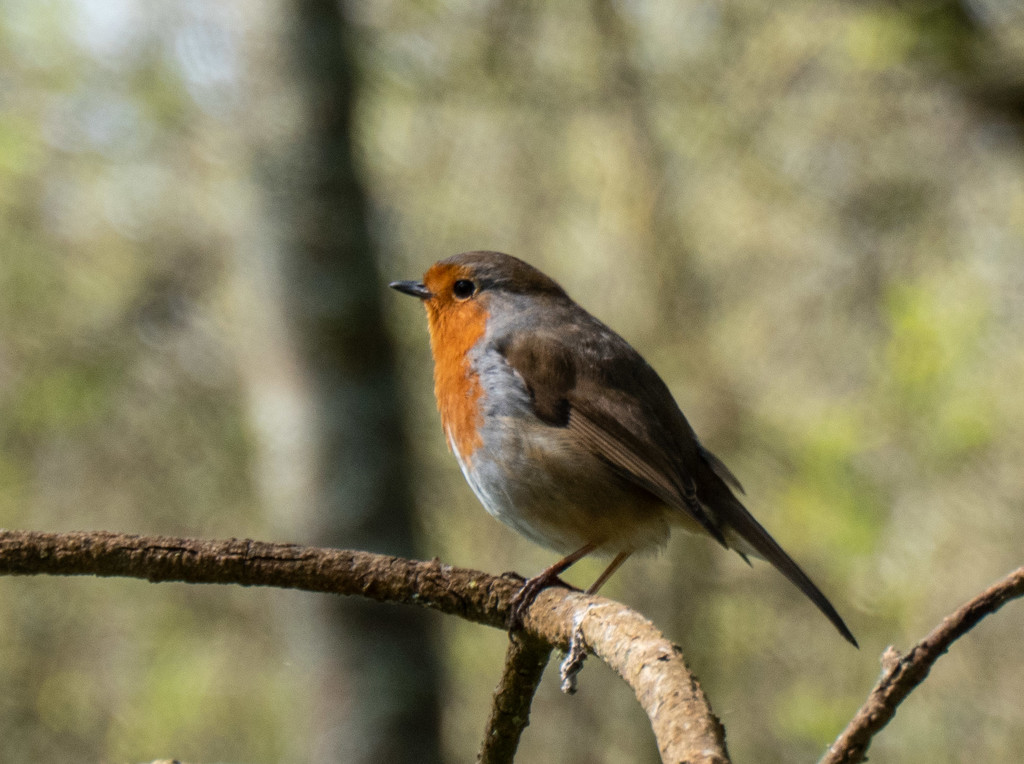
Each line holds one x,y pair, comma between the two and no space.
612,421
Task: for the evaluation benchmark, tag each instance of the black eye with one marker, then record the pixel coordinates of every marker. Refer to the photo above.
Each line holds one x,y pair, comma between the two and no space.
463,289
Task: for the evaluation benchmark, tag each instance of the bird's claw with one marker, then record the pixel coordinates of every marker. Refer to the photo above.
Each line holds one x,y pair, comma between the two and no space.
523,599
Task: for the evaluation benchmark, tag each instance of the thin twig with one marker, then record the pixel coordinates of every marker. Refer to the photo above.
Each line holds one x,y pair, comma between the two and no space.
510,710
902,673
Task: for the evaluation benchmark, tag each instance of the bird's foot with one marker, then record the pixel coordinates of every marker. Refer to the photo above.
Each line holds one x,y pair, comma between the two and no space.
522,599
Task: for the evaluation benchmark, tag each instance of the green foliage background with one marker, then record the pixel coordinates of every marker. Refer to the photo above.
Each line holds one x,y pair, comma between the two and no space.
809,217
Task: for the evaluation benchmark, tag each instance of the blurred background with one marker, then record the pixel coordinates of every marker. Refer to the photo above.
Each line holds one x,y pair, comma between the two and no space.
808,216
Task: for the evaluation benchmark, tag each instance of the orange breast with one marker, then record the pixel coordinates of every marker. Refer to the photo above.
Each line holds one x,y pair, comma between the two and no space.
455,327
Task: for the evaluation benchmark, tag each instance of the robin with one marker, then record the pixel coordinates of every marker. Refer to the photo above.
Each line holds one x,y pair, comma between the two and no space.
566,434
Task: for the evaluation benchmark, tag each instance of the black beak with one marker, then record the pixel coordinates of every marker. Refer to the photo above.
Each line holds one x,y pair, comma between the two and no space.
415,288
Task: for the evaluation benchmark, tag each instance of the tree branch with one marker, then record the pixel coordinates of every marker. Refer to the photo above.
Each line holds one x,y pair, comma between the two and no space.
902,673
466,593
684,725
525,661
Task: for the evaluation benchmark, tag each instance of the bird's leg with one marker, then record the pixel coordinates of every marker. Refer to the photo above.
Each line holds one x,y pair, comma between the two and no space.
533,586
620,558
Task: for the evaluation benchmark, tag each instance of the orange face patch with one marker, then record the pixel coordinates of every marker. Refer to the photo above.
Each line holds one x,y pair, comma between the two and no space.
455,327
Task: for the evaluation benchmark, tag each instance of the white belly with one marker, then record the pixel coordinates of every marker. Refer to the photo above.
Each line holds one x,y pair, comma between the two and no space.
535,479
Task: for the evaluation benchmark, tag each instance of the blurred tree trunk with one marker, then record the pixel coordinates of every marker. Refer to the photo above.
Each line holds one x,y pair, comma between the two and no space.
343,447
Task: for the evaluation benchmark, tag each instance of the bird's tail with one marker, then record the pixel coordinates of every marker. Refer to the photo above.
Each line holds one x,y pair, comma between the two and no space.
747,536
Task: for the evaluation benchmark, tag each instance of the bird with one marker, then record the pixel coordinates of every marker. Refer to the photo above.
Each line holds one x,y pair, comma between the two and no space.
566,434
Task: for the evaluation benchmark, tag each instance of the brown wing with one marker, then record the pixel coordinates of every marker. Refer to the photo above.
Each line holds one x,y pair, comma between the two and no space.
617,407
